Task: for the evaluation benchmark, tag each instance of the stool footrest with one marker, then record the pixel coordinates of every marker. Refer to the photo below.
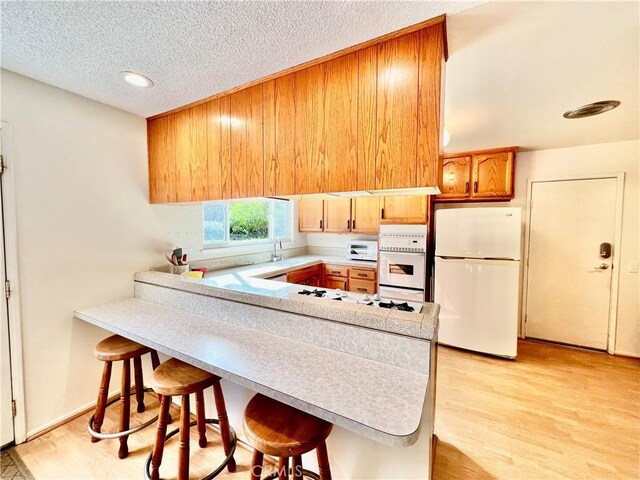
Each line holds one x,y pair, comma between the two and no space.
220,468
305,474
107,436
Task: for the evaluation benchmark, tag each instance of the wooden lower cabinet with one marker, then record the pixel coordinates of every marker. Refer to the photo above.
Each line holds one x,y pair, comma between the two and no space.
362,286
331,277
331,283
311,276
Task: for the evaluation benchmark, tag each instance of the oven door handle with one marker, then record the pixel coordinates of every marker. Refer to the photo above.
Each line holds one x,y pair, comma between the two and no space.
386,252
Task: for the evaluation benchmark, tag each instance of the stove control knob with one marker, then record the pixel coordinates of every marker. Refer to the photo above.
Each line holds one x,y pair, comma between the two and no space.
366,297
338,292
376,297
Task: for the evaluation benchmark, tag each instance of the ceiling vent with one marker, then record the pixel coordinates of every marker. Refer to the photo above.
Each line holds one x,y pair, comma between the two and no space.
595,108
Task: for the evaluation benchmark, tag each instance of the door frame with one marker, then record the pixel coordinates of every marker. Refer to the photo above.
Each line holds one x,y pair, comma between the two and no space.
615,274
13,275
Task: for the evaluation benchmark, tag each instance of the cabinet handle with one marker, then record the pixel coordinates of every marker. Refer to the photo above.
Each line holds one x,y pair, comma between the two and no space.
361,289
362,275
475,187
353,224
382,213
348,224
466,187
335,272
320,224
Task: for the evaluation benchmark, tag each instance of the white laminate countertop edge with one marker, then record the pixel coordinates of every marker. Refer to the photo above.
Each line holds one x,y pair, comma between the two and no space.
250,284
377,400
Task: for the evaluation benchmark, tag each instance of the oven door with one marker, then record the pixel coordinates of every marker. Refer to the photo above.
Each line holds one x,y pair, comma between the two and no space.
400,269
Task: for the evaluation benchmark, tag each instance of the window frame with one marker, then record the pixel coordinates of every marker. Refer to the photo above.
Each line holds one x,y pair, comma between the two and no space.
228,243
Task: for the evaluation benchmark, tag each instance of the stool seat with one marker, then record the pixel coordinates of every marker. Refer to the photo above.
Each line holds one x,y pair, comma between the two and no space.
175,377
115,348
277,429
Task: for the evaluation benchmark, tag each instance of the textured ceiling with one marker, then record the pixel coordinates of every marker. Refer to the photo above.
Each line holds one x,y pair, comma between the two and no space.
189,49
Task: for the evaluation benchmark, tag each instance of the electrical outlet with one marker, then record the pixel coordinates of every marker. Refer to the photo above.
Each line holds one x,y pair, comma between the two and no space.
632,267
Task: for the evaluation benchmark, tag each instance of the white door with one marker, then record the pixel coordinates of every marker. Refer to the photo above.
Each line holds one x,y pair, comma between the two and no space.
6,415
568,283
478,304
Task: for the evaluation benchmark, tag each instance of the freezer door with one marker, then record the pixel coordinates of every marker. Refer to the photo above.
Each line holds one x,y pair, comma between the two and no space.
488,232
478,304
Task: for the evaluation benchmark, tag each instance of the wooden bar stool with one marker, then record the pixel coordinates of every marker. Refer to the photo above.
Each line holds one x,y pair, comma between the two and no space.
276,429
109,350
175,377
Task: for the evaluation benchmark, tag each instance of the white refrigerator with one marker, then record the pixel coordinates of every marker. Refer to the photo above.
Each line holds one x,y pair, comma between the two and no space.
477,278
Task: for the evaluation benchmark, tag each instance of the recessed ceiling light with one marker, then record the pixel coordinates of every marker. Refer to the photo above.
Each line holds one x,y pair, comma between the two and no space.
136,79
595,108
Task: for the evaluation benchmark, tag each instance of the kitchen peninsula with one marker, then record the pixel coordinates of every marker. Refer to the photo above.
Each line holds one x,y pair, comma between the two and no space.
368,370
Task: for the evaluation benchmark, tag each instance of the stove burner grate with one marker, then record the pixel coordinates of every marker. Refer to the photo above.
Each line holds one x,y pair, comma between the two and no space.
403,307
315,292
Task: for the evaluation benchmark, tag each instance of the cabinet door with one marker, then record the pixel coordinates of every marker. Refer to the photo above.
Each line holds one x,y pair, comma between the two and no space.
365,215
493,175
397,112
337,215
247,160
405,209
309,129
331,283
367,132
191,154
218,149
310,216
340,124
279,136
456,177
162,137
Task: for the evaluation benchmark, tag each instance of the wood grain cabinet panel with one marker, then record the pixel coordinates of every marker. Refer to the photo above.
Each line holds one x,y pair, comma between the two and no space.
362,286
311,216
456,177
279,136
309,129
397,112
492,175
337,215
247,153
365,215
340,124
367,126
161,139
191,154
405,209
331,283
218,149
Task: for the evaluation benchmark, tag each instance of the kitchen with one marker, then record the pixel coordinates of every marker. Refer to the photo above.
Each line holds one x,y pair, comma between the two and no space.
318,195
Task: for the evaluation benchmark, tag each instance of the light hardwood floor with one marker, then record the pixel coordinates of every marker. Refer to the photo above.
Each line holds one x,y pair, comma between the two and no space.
555,413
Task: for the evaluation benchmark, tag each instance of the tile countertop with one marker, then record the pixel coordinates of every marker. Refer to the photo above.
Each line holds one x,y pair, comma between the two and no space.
250,284
341,388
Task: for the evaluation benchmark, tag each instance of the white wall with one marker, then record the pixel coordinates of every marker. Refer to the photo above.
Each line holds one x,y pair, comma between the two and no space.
591,159
84,227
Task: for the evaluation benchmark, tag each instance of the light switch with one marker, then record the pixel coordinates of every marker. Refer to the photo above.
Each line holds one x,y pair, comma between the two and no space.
632,267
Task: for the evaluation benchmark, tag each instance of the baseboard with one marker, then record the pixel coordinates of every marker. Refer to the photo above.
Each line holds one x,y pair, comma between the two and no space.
618,353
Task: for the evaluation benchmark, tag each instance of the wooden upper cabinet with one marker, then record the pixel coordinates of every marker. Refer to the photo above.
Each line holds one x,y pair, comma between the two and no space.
337,215
456,177
367,127
340,124
247,154
161,139
279,136
218,148
430,105
309,85
191,154
405,209
397,112
365,215
310,216
493,175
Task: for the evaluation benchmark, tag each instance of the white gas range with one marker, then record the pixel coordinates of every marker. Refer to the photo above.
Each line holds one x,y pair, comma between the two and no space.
374,301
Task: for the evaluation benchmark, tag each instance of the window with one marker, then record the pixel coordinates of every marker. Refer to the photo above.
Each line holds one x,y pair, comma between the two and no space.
242,222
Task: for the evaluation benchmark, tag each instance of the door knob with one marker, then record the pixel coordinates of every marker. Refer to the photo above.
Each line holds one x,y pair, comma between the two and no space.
602,266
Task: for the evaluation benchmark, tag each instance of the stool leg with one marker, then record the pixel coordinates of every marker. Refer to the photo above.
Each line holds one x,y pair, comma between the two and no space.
225,433
125,407
296,465
323,462
137,378
256,465
183,455
103,396
158,448
202,440
155,363
283,468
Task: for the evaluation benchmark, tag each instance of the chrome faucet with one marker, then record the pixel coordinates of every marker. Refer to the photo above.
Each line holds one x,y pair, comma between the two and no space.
275,257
